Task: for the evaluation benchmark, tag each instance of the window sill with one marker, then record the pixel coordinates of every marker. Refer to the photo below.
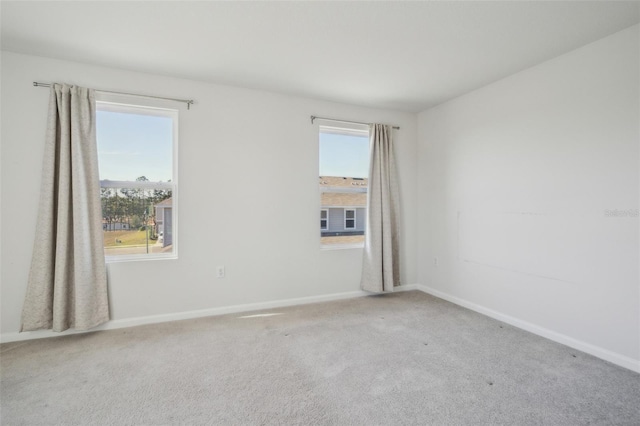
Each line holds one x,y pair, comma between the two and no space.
139,258
324,247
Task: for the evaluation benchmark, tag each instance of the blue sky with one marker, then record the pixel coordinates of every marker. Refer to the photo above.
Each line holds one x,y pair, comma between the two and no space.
133,145
345,156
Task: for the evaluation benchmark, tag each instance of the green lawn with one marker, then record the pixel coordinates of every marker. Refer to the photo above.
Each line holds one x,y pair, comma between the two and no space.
126,238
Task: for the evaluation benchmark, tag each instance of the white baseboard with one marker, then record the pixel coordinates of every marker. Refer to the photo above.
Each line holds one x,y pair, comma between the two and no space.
596,351
152,319
615,358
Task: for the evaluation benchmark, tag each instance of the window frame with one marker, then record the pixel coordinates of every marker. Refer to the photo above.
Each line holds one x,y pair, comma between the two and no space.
347,129
353,219
326,220
134,105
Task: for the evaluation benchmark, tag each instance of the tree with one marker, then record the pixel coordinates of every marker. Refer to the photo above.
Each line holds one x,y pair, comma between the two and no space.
107,207
134,206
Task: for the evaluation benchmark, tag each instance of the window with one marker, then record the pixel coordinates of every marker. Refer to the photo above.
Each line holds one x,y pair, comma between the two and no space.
344,169
349,219
137,147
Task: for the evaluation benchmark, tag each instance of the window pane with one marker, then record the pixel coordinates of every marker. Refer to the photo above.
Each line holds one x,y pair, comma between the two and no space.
344,155
136,221
323,214
344,167
134,146
337,231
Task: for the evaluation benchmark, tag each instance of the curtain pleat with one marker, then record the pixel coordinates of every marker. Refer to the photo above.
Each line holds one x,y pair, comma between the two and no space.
381,260
67,285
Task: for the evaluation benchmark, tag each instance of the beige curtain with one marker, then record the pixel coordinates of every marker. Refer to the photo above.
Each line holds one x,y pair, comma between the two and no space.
68,282
381,263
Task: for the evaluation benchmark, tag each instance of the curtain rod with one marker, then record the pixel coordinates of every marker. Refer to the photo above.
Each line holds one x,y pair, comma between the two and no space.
189,102
313,117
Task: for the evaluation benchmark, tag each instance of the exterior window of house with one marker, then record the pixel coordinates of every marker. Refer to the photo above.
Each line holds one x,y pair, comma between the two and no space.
344,169
324,219
349,219
137,156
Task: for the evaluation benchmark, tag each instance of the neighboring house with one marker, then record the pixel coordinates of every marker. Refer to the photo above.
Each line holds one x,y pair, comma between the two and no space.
164,221
114,226
343,202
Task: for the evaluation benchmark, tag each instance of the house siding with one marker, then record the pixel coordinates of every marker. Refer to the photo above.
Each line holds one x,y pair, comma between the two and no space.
361,219
336,220
168,227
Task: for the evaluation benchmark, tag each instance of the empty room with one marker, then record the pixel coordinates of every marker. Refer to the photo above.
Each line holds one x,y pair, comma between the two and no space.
320,213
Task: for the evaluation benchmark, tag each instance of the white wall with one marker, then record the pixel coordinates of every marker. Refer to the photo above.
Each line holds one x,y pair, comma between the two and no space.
515,179
248,172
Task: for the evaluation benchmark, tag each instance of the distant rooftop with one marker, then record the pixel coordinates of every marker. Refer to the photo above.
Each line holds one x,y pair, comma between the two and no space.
165,203
343,199
342,181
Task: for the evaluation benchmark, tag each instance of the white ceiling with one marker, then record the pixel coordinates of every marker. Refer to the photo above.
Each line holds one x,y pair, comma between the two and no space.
398,55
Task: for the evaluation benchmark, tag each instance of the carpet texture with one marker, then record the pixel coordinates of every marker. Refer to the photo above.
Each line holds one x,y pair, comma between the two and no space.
403,358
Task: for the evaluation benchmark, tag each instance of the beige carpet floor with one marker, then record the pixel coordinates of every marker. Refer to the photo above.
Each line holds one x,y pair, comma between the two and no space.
399,359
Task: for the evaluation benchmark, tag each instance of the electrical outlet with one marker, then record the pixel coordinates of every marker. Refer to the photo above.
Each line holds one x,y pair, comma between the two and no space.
219,271
435,262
